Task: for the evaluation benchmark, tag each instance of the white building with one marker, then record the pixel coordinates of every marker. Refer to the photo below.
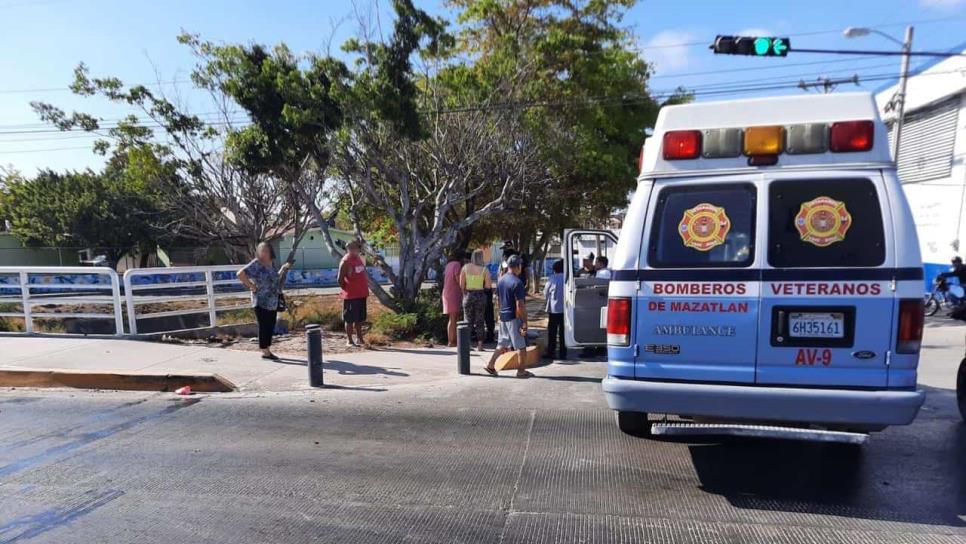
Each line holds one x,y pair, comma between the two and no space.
931,165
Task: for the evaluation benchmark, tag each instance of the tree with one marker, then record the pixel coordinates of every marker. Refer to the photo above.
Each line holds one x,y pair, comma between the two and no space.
378,136
213,200
113,212
581,89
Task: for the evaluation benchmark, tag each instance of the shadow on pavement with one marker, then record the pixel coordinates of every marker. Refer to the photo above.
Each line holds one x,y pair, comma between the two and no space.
442,351
864,482
579,379
351,388
352,369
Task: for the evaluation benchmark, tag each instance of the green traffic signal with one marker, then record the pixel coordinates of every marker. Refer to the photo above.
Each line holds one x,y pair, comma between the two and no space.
759,46
762,46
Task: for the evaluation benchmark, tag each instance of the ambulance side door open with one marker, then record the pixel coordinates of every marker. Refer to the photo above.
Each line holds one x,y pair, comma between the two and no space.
586,296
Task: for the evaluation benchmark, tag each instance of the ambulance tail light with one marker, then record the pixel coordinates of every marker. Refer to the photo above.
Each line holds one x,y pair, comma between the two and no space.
850,136
682,144
911,321
619,322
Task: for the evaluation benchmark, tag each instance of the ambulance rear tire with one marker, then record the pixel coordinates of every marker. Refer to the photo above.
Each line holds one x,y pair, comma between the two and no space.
633,423
961,389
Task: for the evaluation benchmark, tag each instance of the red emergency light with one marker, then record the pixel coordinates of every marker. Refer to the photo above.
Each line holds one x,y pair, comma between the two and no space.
847,136
682,144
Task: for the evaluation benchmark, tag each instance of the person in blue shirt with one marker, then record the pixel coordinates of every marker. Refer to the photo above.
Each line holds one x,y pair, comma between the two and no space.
553,291
512,295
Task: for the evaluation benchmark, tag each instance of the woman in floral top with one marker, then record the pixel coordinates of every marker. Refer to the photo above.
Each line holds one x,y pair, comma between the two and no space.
265,282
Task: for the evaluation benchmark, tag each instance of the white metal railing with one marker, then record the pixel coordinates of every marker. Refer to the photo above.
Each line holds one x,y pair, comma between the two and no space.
35,287
180,284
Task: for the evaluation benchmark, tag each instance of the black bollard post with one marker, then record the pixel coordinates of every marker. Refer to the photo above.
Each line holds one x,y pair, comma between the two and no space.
313,337
463,347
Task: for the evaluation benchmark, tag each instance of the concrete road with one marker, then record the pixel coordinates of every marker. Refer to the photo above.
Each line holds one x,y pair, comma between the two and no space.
471,459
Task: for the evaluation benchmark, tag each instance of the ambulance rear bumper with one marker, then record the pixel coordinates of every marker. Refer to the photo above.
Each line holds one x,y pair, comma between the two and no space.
761,403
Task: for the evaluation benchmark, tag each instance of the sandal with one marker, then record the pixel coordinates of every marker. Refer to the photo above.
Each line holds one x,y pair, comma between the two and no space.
525,374
490,371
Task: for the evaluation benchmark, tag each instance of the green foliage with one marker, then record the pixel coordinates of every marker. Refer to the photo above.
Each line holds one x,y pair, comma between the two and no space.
578,63
117,211
396,326
431,321
329,319
295,103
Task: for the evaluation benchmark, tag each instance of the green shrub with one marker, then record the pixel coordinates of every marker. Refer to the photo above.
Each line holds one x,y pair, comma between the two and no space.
431,322
329,319
396,326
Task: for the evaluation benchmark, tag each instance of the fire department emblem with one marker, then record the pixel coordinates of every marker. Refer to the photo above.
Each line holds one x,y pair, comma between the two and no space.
823,221
704,227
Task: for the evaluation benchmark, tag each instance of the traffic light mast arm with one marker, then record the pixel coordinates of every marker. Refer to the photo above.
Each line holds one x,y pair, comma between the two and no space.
770,46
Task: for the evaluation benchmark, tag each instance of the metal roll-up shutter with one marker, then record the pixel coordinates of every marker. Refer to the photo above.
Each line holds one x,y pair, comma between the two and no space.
928,137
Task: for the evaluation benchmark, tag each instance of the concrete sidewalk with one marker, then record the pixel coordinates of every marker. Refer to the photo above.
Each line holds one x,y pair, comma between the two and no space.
375,369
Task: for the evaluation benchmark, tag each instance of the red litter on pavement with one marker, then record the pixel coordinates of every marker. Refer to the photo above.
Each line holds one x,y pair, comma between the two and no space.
186,390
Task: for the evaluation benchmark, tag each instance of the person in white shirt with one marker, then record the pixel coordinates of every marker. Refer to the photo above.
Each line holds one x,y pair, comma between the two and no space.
600,265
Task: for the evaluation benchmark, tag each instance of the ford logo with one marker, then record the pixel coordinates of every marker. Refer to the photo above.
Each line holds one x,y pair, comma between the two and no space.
864,354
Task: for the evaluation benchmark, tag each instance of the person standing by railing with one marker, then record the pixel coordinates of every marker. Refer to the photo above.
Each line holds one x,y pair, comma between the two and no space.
264,280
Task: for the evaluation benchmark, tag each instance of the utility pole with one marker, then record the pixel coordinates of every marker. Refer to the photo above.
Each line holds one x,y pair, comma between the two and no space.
898,101
901,93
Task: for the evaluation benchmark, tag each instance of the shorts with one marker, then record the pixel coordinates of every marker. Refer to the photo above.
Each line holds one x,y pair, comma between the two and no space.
354,310
510,335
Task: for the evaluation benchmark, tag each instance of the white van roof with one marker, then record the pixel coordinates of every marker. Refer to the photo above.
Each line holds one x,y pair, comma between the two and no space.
781,110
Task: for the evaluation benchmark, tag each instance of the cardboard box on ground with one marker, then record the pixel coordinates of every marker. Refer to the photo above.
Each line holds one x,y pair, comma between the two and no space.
511,359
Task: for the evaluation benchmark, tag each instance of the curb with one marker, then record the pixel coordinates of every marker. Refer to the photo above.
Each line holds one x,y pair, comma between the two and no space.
84,379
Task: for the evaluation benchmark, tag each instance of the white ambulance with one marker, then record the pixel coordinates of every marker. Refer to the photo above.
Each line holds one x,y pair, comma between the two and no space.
767,276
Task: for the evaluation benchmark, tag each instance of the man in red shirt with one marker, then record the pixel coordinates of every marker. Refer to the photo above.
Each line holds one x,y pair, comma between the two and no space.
354,281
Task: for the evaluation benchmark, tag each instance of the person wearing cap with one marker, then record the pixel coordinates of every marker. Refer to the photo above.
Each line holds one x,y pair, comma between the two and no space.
354,282
513,316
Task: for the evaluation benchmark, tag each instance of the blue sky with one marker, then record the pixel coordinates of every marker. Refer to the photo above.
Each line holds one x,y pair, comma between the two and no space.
43,40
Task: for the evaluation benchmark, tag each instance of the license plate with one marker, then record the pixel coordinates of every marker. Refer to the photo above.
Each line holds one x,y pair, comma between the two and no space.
816,325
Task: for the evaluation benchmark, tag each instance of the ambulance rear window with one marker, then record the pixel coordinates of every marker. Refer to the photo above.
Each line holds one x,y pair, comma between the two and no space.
824,223
704,226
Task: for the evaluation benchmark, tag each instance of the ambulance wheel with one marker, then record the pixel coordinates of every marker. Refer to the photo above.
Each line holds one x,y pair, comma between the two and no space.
932,306
633,423
961,389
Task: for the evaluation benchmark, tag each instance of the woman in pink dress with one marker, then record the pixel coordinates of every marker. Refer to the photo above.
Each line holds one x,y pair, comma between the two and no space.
452,294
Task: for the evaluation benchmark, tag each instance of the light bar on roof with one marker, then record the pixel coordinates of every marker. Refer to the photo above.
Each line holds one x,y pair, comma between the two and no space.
768,141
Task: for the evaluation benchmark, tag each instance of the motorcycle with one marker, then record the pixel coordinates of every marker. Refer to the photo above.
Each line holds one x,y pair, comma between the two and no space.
943,295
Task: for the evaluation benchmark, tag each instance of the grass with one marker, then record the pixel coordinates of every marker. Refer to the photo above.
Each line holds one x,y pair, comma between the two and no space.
11,324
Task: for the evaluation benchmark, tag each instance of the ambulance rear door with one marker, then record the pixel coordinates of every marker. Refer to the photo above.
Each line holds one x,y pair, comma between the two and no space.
697,308
827,297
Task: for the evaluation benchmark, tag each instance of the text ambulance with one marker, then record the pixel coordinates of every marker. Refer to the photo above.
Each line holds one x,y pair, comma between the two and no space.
767,271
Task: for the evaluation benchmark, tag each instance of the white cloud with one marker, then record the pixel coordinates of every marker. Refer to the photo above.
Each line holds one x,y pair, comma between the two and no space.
667,52
942,4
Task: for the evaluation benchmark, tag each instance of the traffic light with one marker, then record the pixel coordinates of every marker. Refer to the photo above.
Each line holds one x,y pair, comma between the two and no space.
756,46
